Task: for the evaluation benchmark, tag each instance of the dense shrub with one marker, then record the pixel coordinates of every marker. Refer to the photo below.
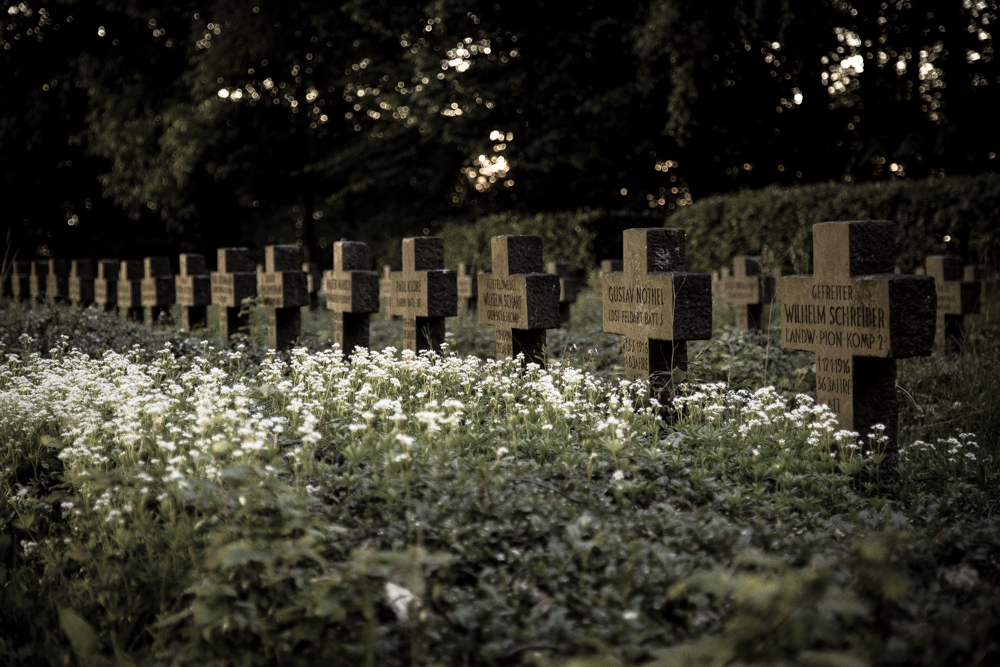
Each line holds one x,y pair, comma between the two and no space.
777,222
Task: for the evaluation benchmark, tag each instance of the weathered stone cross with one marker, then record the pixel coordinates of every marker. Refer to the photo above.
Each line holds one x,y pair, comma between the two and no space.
157,286
234,280
956,298
81,282
518,298
282,288
655,303
352,293
39,278
57,281
607,266
747,289
568,288
385,290
468,287
130,274
20,279
194,291
106,284
424,293
858,317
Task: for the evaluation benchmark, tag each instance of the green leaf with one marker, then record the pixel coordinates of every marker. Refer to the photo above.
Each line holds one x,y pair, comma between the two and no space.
85,642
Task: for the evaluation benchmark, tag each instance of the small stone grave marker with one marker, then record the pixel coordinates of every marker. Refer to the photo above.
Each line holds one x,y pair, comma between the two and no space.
352,293
858,317
607,266
424,293
57,281
157,289
81,282
568,287
747,289
106,284
518,298
656,304
468,287
385,290
234,280
283,291
130,273
717,278
777,274
314,281
193,287
39,279
956,298
20,280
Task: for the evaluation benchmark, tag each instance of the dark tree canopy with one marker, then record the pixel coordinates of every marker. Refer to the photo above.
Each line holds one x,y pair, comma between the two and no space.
130,126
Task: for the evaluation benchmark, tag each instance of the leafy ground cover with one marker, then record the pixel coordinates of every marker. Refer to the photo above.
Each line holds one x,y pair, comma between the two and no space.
164,501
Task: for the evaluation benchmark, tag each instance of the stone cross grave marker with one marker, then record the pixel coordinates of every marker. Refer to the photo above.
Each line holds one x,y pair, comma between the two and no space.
234,280
385,290
57,281
956,298
858,317
424,293
518,298
157,289
106,284
987,288
607,266
656,304
20,280
747,289
81,282
717,278
777,274
194,291
283,291
130,273
314,281
568,287
39,279
468,287
352,293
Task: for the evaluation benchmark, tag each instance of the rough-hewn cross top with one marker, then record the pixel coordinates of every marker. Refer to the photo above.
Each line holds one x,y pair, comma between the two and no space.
282,288
987,287
747,289
130,274
194,291
352,293
655,303
158,293
956,298
568,287
424,293
717,278
518,298
234,280
607,266
20,279
314,281
468,287
38,279
81,282
57,281
858,317
106,284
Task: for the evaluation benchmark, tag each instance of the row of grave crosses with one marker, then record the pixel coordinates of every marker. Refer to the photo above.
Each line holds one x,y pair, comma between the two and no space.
856,312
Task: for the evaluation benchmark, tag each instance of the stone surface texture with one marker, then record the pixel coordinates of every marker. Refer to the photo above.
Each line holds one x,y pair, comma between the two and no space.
956,298
234,280
57,280
81,282
352,293
747,289
607,266
282,288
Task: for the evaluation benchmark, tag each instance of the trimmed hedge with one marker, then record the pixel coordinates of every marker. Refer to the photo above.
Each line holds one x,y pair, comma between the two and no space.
776,222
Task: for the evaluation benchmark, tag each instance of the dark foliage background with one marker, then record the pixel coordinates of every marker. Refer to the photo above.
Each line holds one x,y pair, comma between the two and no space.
129,126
